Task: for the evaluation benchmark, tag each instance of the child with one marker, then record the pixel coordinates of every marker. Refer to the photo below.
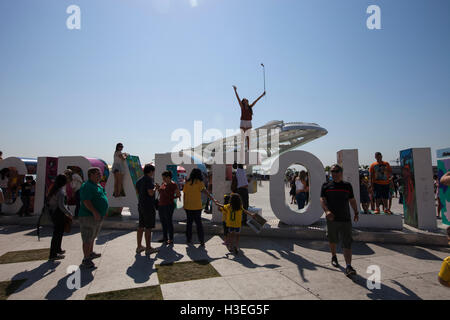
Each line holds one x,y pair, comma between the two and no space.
364,193
233,217
226,200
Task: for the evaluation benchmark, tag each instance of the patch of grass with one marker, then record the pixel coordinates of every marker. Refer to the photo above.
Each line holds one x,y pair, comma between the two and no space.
185,271
145,293
24,256
7,288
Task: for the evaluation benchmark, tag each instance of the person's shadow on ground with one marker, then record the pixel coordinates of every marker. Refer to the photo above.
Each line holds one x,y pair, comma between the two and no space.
246,262
10,229
109,235
36,274
167,254
302,263
385,292
62,291
142,268
199,253
417,252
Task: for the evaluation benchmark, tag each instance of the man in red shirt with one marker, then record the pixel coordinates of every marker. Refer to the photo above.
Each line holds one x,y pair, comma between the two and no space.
380,178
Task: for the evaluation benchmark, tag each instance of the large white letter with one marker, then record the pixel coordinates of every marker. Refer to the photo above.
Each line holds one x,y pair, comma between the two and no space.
73,21
277,197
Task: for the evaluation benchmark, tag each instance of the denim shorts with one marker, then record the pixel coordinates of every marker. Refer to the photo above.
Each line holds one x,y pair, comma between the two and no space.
235,230
381,191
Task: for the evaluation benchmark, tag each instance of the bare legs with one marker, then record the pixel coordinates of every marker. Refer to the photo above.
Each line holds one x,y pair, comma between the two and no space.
383,202
365,207
148,237
245,138
347,253
232,240
88,248
118,184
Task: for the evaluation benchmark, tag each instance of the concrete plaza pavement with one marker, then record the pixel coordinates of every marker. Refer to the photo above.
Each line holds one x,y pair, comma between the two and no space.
291,266
265,269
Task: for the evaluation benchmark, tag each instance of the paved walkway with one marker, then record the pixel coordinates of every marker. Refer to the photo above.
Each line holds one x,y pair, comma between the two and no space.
265,269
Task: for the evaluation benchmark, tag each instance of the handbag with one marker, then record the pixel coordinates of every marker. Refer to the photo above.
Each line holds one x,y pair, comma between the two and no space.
67,224
45,219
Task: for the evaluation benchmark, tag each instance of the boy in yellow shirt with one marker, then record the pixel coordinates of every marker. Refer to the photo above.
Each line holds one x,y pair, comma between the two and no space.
232,214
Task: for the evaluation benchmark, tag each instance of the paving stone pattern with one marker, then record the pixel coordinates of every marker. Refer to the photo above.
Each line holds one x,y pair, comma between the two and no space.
265,269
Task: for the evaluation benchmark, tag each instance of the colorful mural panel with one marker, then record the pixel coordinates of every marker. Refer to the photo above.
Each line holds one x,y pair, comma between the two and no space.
409,192
443,166
134,164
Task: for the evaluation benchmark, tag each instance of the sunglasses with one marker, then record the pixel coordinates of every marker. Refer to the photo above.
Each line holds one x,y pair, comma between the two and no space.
335,171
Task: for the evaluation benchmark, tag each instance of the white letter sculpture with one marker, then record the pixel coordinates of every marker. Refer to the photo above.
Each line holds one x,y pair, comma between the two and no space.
277,194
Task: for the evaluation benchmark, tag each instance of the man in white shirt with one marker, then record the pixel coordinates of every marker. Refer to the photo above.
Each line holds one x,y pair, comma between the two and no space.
76,184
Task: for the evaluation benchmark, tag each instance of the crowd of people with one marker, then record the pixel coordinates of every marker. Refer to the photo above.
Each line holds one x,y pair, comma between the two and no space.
152,198
92,204
299,192
377,188
11,189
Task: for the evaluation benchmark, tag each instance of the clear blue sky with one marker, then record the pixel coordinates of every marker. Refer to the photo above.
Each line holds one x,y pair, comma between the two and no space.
139,69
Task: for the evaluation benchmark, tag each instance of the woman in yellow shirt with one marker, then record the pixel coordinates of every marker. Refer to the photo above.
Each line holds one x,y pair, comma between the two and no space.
233,219
192,199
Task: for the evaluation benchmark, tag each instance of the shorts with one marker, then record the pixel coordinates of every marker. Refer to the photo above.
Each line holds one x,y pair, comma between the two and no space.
234,230
89,228
147,218
246,124
364,195
381,191
117,168
340,230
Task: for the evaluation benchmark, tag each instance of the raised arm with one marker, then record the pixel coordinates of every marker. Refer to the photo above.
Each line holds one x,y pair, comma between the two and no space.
208,194
254,102
218,203
445,180
237,96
